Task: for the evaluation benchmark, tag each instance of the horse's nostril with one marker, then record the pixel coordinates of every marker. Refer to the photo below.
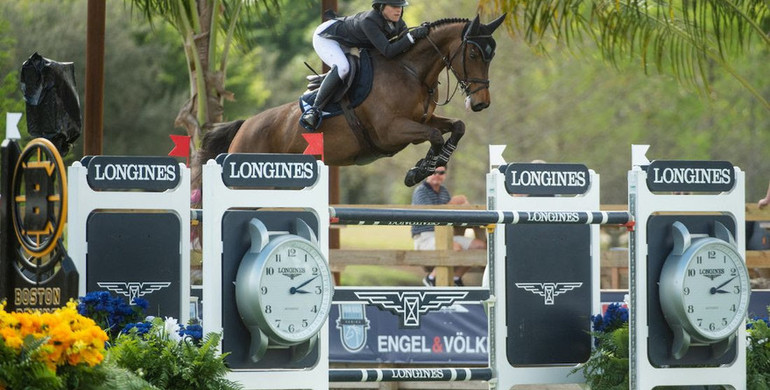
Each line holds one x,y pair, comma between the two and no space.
480,106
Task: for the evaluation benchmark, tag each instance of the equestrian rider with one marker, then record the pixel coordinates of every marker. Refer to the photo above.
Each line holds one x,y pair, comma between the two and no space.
369,29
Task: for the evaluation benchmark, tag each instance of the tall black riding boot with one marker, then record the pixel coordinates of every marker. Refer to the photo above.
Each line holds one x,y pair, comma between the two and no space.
312,117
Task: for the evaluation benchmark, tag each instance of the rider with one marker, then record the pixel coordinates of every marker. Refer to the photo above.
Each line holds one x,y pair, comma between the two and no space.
369,29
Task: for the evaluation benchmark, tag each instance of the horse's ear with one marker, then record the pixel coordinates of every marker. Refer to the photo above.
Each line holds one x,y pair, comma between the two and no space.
473,28
491,27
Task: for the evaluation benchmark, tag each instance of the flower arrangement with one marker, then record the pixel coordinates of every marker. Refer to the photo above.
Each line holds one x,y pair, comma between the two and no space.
758,354
112,313
156,353
57,350
169,356
607,368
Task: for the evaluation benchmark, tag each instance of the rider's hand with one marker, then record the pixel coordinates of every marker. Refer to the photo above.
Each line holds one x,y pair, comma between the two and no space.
419,32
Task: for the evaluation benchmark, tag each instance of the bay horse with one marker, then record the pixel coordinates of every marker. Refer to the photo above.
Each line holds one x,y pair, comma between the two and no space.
398,111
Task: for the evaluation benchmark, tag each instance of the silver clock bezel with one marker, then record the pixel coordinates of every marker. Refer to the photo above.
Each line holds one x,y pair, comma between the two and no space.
671,289
279,335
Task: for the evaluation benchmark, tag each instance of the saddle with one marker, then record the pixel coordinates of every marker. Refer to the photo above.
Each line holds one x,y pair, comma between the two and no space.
357,85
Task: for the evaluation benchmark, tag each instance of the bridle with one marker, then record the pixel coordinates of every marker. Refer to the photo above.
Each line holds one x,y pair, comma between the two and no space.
464,82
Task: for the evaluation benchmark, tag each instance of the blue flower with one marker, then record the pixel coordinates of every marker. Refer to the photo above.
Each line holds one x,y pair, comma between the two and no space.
614,317
194,331
111,313
141,327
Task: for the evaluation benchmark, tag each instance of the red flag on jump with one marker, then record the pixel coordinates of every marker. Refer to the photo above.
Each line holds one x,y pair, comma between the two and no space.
315,144
181,147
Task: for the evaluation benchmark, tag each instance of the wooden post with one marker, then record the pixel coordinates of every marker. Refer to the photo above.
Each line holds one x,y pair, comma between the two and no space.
94,93
444,240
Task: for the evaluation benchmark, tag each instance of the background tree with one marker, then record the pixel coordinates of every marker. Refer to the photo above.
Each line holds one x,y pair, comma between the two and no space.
208,29
686,37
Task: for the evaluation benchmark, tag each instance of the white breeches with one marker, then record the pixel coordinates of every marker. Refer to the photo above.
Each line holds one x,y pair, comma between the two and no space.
330,51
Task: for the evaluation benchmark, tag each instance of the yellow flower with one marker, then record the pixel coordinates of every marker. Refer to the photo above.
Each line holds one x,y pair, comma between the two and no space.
70,338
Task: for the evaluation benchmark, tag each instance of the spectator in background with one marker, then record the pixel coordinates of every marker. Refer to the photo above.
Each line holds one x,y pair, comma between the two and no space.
766,200
433,192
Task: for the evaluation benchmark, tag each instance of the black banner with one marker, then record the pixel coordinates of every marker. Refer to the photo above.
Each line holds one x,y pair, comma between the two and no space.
154,174
269,170
690,176
546,179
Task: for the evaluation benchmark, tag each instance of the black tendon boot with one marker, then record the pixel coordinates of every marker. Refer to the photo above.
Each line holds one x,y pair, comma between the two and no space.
312,117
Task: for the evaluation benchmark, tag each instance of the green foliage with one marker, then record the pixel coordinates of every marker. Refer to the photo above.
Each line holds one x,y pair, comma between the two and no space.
24,371
758,355
169,364
607,368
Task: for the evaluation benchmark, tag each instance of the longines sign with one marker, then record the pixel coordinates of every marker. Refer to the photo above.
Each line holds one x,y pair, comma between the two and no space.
690,176
546,179
132,173
269,170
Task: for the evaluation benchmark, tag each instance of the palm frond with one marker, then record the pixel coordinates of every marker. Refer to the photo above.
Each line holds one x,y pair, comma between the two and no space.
685,37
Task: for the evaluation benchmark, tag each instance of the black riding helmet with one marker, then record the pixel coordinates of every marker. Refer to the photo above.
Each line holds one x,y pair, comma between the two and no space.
395,3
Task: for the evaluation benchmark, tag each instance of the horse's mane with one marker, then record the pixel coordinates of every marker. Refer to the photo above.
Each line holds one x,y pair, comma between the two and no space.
442,22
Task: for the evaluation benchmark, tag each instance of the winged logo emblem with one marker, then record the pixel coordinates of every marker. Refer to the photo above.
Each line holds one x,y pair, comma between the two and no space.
411,304
549,290
133,289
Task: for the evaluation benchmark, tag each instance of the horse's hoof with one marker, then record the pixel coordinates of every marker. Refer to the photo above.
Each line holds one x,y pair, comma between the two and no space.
414,176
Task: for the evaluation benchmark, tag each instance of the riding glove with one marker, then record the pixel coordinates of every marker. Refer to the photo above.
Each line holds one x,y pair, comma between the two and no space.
419,32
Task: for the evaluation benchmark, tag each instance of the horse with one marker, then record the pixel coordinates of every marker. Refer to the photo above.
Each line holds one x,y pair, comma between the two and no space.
398,111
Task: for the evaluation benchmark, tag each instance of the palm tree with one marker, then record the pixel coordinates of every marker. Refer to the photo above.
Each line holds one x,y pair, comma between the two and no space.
208,29
685,37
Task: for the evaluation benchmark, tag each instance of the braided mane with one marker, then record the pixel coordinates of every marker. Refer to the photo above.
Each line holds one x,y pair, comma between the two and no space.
441,22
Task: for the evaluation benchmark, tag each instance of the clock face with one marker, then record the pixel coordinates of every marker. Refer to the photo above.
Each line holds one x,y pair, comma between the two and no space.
715,290
295,289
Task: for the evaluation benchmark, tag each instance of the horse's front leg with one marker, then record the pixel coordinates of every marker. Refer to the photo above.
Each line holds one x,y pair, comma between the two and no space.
403,132
456,128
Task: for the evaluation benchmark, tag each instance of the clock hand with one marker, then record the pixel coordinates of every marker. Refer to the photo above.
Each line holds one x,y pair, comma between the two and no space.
718,289
295,290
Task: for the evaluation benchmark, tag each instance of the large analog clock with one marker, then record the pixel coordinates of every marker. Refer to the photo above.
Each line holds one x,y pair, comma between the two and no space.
283,289
704,290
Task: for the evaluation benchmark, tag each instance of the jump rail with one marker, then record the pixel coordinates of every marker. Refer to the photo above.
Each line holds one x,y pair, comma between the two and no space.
410,374
434,217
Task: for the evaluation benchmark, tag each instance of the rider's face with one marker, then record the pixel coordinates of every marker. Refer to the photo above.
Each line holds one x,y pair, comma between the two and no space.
392,13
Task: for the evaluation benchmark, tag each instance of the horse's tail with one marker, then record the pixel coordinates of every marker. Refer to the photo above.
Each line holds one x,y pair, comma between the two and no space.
215,141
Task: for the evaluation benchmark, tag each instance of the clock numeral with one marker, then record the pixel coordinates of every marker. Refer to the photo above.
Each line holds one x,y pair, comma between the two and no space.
291,252
277,323
724,321
732,307
304,323
318,290
268,309
291,328
699,260
690,272
690,309
733,272
712,326
737,289
263,290
305,257
314,309
712,254
700,322
277,257
269,271
315,271
686,291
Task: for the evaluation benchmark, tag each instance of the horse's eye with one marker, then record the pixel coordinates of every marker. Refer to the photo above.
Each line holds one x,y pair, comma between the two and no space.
474,55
